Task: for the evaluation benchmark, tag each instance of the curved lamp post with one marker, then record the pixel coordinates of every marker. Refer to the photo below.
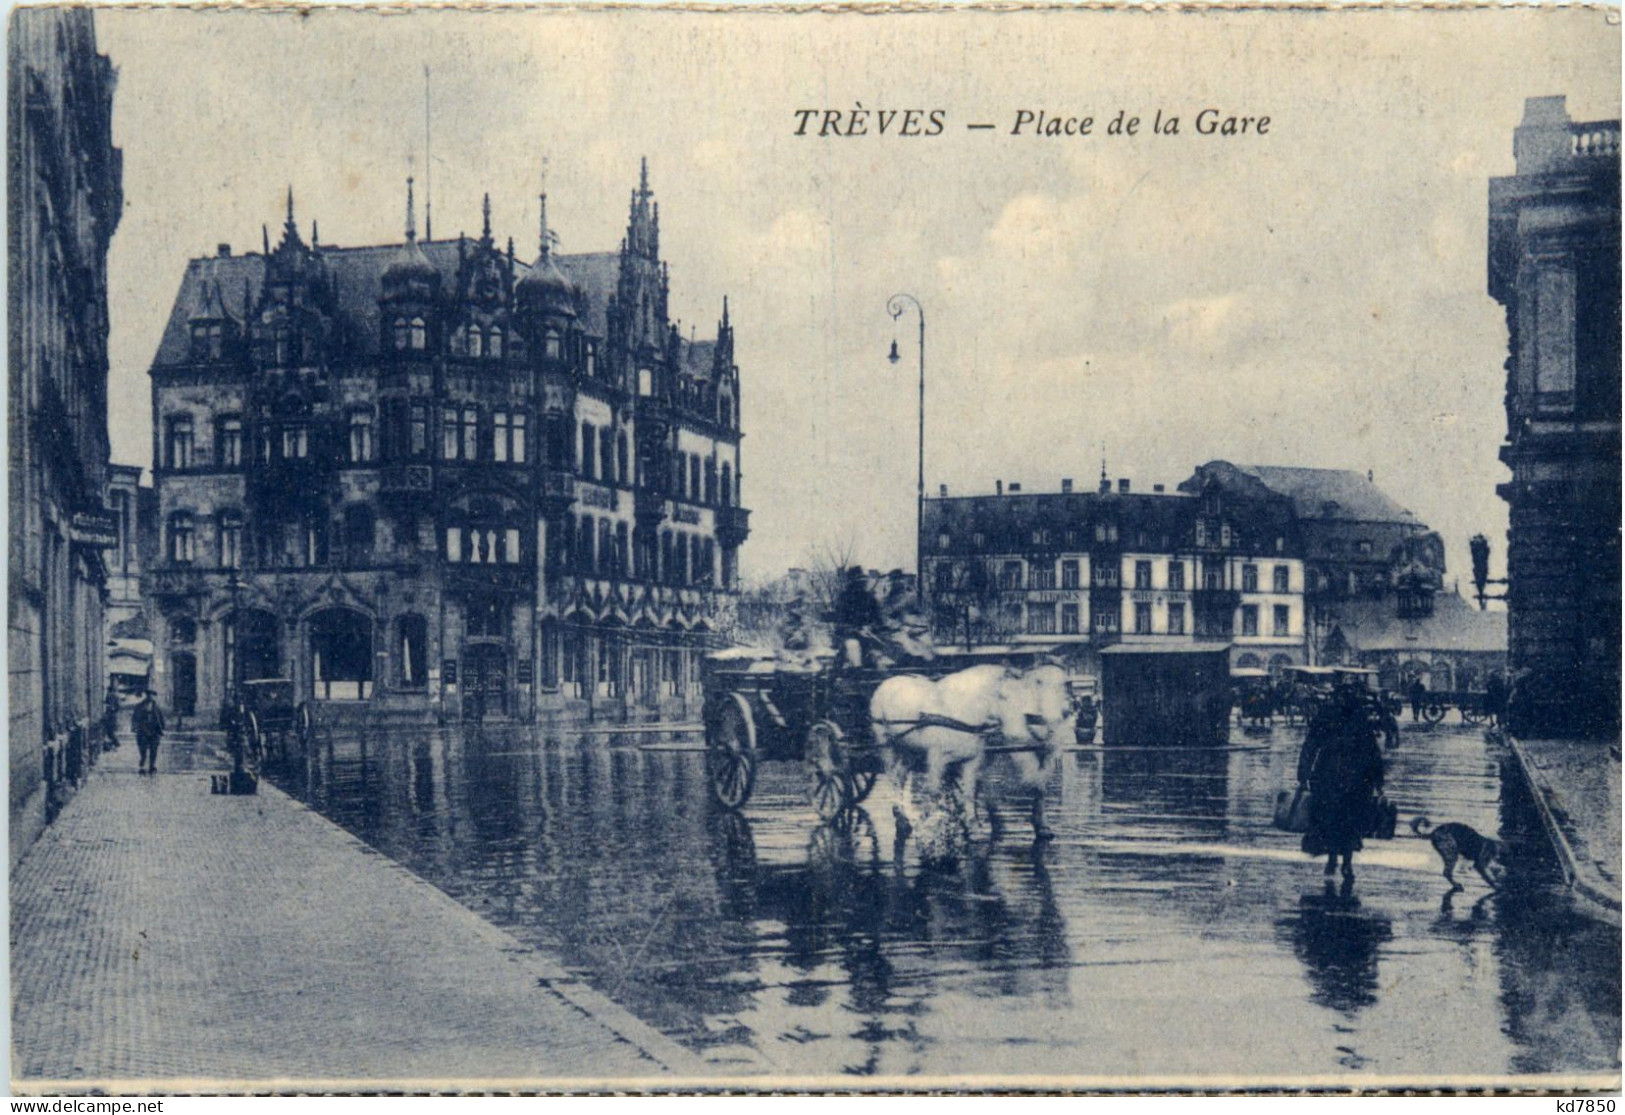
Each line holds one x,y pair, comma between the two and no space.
895,305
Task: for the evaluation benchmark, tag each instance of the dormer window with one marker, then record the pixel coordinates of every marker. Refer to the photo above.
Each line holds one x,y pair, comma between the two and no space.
646,382
402,334
493,344
592,359
420,335
476,341
553,345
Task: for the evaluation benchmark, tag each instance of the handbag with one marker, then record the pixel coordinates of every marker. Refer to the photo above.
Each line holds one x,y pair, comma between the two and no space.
1292,810
1382,818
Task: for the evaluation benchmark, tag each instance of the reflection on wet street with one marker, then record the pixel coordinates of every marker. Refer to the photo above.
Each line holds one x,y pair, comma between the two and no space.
1168,931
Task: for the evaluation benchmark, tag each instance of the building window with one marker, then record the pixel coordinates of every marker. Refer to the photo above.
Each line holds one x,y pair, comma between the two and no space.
179,450
1364,547
1069,619
1040,537
1176,619
230,438
1212,575
1041,619
360,436
1104,619
314,550
1104,575
589,449
231,540
694,483
418,430
606,455
943,541
978,540
1249,578
1069,573
401,334
295,442
1142,619
1010,575
1224,536
454,544
944,576
508,437
341,655
181,538
1041,575
412,643
646,382
1142,574
420,335
1176,576
592,359
1282,577
553,346
1283,620
727,484
476,341
1249,619
493,344
359,532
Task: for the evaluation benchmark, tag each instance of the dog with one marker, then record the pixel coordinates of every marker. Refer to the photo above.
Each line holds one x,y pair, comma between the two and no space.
1455,840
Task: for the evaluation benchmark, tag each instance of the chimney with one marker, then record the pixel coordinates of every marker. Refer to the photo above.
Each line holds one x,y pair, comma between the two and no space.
1370,476
1014,488
1122,485
1158,488
1105,485
223,251
998,487
942,491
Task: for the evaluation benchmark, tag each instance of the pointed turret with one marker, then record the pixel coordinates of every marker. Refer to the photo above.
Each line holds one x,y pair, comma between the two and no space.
545,289
410,263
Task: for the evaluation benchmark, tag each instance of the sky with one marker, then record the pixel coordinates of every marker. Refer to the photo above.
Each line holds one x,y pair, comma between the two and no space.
1312,296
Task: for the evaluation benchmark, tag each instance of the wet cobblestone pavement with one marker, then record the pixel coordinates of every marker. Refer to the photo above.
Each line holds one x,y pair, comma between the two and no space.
1169,932
162,937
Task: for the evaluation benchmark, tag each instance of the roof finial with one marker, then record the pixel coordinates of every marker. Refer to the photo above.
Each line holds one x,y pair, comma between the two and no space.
643,178
725,311
485,216
315,232
290,205
547,246
411,218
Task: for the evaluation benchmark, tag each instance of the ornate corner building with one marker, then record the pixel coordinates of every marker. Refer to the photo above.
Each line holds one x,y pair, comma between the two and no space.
430,479
1554,265
65,196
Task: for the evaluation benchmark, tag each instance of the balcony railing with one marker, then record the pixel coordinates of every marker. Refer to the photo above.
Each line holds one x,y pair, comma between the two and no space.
1596,140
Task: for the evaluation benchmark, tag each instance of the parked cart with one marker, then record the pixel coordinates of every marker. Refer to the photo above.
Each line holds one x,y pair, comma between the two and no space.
266,717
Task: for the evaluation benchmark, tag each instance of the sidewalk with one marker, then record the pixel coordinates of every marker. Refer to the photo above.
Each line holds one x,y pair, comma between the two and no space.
167,939
1575,784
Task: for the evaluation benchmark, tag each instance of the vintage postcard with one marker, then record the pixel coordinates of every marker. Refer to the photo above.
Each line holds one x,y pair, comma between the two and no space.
647,549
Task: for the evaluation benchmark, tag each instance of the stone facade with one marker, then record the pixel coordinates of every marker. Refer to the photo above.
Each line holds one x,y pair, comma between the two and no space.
1554,265
65,196
432,480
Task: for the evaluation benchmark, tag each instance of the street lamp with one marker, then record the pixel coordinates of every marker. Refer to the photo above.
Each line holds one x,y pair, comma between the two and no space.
895,306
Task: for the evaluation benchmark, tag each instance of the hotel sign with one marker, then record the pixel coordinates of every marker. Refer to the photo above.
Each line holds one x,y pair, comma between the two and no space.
594,496
95,529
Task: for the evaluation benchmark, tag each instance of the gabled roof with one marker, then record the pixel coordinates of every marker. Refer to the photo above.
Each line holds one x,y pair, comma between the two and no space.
1331,493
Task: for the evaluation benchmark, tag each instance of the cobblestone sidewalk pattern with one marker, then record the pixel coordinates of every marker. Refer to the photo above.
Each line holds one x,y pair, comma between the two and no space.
161,934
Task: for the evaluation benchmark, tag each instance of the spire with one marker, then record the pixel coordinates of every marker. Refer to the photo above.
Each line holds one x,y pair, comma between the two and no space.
290,223
643,178
546,244
485,217
411,217
725,312
265,239
315,232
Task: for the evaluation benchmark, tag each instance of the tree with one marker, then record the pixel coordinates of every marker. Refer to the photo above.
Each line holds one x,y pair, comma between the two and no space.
965,603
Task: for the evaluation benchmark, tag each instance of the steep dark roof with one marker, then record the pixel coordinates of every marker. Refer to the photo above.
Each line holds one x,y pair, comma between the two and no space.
1330,493
1014,517
357,277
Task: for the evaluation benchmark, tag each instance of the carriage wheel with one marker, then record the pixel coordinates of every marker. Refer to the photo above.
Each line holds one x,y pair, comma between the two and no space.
863,784
1471,716
730,753
253,740
831,769
1433,713
304,726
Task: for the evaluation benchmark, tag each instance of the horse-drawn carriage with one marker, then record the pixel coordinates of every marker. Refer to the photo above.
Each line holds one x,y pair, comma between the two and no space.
1473,706
818,712
264,716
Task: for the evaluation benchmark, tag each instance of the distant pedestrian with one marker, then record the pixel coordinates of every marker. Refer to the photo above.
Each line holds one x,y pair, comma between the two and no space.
1495,698
1418,693
148,722
110,707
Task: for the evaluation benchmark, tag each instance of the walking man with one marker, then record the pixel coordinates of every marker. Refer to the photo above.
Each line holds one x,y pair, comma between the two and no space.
1418,693
148,722
110,707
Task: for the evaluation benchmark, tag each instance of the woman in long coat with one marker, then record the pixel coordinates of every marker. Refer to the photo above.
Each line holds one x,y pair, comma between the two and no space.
1341,766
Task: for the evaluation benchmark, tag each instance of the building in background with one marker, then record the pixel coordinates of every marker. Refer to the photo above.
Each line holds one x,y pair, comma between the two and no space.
1554,266
1073,571
65,196
134,509
433,480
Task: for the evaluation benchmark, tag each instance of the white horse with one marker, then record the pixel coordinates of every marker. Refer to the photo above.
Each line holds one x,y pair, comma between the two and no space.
941,729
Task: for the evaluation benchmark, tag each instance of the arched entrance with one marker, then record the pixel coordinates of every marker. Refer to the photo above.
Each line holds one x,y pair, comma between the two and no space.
340,655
